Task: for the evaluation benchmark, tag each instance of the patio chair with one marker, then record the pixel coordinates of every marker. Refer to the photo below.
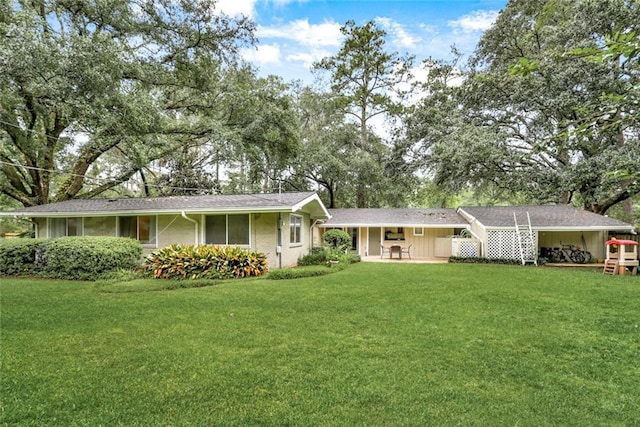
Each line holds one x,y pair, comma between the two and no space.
383,250
407,250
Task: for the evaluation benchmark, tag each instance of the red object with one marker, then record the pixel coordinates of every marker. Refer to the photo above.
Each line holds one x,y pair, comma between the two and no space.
621,242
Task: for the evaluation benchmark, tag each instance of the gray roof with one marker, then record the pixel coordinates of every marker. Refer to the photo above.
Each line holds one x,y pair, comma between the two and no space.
542,217
369,217
173,204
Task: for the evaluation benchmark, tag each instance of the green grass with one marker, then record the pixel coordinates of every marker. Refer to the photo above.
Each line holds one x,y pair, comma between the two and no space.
374,344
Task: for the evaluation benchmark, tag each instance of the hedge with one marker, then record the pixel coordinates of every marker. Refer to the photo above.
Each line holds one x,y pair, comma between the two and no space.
22,256
74,258
86,258
482,260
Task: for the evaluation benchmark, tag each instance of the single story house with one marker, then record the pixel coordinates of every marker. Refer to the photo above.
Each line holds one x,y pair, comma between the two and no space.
285,226
473,230
278,225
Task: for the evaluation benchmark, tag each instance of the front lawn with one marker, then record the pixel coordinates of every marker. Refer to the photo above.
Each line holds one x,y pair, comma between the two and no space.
375,344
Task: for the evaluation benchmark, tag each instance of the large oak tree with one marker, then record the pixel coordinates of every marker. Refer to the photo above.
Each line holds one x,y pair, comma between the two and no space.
83,80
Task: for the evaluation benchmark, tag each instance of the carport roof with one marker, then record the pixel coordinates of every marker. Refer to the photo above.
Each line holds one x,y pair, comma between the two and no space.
395,217
543,217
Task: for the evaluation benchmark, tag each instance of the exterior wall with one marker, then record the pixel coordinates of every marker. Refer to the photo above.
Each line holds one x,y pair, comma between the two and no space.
480,233
264,236
41,228
292,251
175,229
595,241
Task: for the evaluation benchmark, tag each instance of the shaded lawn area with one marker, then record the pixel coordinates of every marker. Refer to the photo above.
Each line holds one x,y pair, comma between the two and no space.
375,344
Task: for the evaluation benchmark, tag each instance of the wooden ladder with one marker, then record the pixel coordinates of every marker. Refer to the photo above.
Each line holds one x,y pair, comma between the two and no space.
610,267
526,243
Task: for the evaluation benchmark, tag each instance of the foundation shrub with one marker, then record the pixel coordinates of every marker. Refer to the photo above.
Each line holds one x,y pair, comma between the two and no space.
337,239
482,260
72,258
316,257
205,262
88,258
22,256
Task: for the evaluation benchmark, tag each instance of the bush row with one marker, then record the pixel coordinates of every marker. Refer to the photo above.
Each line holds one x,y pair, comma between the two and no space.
299,273
320,256
75,258
482,260
205,262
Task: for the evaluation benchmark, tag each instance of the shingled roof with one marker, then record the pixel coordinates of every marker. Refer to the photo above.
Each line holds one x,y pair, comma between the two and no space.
430,218
550,217
174,204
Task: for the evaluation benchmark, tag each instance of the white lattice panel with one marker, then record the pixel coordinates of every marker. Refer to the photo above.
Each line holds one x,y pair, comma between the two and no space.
504,244
463,247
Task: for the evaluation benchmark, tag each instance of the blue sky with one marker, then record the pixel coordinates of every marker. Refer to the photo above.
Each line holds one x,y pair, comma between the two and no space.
293,34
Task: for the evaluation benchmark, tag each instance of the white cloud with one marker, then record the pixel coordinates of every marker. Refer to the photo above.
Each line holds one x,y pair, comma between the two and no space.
308,58
300,31
237,7
480,20
265,54
399,35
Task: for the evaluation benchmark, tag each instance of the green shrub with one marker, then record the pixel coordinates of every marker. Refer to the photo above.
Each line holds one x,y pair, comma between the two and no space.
337,239
298,273
87,258
314,258
482,260
205,262
349,258
22,256
73,258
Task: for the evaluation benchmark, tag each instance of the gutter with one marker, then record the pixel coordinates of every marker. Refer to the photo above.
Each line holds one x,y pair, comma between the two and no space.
184,215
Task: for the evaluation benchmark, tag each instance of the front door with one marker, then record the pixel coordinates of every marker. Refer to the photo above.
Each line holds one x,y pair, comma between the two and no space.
374,241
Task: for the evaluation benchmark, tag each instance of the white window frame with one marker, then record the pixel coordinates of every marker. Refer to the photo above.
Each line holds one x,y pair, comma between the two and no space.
294,222
226,216
153,240
418,231
66,226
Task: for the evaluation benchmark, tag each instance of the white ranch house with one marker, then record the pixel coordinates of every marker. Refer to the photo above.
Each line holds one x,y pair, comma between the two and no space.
278,225
286,226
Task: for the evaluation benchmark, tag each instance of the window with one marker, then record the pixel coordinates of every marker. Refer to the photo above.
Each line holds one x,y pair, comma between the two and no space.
295,229
59,227
394,233
227,229
141,228
418,231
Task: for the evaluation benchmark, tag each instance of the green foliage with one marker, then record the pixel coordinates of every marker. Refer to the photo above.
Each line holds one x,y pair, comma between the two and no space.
79,84
72,258
87,258
299,273
482,260
314,258
553,128
22,256
205,262
365,83
337,239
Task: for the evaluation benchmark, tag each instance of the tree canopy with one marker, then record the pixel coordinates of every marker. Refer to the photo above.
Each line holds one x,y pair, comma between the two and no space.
534,119
99,93
80,80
